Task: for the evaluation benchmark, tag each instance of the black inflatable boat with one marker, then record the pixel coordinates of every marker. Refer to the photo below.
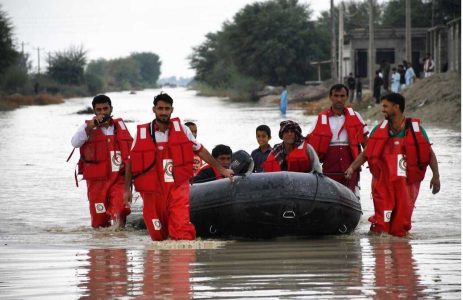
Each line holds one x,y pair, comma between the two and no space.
266,205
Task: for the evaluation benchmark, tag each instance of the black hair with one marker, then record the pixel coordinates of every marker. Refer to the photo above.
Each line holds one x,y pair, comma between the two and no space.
265,129
188,124
99,99
396,99
221,150
163,97
338,87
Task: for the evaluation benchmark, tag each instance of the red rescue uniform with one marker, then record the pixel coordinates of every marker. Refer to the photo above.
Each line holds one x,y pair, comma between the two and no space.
337,157
297,161
102,161
398,164
162,171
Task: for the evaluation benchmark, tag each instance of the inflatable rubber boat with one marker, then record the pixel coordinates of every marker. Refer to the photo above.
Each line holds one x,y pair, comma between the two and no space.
267,205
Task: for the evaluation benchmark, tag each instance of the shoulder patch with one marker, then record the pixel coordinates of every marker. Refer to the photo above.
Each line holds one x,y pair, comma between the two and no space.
143,133
324,120
176,126
122,125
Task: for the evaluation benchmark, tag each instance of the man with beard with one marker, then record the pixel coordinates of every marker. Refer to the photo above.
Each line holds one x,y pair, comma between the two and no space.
104,144
398,153
161,165
337,137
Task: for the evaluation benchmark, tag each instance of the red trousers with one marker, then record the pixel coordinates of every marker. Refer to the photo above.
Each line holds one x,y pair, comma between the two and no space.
394,202
167,213
335,163
106,201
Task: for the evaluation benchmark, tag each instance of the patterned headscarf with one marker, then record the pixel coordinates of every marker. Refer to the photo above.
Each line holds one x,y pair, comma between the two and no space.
279,149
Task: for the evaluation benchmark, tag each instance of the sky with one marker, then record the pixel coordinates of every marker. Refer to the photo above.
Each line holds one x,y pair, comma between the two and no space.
116,28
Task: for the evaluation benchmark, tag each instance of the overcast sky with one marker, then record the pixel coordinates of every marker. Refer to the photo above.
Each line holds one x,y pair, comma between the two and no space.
115,28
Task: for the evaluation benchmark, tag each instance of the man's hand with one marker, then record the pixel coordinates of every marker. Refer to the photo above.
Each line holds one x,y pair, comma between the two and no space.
435,184
348,173
127,198
227,173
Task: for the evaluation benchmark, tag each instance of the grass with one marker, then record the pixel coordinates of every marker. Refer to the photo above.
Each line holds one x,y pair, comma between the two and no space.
16,100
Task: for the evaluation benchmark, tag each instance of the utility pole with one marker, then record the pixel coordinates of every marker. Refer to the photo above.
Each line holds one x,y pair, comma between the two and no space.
38,59
408,36
371,47
333,43
341,42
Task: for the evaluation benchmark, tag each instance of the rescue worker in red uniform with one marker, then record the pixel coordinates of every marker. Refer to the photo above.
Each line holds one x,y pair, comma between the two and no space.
338,137
221,153
293,154
104,144
398,153
161,165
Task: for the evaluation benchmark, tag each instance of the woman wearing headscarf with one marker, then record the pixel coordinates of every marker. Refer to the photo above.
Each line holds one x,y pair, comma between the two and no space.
293,154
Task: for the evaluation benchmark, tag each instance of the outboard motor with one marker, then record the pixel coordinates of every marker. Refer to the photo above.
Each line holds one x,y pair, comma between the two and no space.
242,163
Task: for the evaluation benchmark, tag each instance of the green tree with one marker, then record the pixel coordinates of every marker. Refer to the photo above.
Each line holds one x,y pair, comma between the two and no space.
271,41
150,67
394,14
67,67
124,73
8,55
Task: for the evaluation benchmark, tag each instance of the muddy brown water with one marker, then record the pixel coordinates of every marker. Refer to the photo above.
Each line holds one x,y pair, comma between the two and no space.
48,251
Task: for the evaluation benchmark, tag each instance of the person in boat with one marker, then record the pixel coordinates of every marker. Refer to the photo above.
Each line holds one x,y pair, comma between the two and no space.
293,154
104,144
398,153
259,155
338,137
223,155
161,165
197,161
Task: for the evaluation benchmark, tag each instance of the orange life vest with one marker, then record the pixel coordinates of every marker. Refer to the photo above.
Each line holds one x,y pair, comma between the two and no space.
297,160
416,148
100,155
321,136
143,157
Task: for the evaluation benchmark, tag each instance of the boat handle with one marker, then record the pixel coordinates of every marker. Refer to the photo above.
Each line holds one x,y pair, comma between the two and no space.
289,214
212,229
342,229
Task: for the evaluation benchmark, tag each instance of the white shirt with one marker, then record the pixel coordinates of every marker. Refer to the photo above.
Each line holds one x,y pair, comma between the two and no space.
336,123
163,137
80,137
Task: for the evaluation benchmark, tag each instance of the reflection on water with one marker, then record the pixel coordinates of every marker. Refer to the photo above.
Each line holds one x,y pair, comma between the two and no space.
47,249
116,273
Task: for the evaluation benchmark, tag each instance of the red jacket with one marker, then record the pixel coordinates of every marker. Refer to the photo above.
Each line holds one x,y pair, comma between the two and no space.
144,157
101,152
297,160
417,151
321,136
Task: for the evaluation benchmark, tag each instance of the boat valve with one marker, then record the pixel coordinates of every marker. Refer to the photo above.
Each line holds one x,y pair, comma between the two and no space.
289,214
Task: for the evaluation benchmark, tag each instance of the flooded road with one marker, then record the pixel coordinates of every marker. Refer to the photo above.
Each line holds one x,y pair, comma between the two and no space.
49,251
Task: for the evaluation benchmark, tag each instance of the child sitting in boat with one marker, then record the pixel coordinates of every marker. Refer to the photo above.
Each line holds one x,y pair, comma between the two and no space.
259,155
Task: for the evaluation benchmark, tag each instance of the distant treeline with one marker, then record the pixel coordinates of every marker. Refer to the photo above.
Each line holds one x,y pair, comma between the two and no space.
68,72
273,42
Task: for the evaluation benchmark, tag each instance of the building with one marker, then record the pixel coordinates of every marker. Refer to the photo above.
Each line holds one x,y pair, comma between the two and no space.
390,46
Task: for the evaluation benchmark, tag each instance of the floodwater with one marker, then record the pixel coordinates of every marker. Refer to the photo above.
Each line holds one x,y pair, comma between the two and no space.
49,251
